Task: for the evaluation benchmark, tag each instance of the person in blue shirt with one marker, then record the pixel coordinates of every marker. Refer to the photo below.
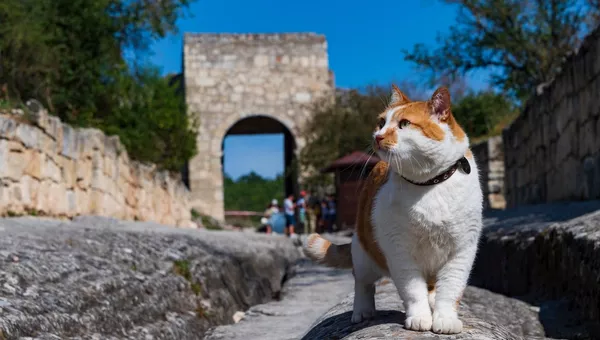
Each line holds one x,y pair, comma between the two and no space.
331,215
289,209
323,216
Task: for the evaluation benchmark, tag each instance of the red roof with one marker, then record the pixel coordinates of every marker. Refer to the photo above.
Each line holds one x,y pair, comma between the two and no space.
356,158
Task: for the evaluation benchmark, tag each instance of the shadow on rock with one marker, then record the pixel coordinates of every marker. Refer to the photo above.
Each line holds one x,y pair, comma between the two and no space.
340,326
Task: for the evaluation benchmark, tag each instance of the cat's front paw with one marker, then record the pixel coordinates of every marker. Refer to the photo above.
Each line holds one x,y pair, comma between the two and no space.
420,322
362,314
446,323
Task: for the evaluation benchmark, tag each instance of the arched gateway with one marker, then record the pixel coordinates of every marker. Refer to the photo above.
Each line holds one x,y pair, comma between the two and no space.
249,84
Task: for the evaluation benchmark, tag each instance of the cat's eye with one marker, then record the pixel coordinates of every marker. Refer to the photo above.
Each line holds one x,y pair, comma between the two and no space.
381,123
403,123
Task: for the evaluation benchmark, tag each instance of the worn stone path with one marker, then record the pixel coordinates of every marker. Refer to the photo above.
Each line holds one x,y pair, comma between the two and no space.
307,296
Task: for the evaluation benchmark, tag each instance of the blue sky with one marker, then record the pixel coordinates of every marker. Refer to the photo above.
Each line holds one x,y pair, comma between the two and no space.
365,40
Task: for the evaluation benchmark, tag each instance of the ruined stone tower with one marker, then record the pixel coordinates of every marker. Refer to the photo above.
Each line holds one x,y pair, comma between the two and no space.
249,84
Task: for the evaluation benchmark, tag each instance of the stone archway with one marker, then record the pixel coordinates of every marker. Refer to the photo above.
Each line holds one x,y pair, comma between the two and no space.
261,124
233,77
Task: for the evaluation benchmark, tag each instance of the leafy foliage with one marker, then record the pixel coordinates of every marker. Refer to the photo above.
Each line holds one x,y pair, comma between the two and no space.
252,192
151,122
70,55
483,114
337,129
524,42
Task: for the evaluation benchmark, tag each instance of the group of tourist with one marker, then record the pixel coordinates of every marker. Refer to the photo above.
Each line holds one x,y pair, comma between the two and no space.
306,214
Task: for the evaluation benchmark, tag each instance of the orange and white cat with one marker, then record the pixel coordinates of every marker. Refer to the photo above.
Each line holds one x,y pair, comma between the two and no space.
419,216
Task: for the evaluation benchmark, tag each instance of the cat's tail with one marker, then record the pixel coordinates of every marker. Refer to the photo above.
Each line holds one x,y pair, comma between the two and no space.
324,252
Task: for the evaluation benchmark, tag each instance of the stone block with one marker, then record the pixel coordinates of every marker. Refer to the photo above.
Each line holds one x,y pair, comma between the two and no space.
564,144
90,141
68,170
51,170
97,201
110,167
30,188
99,181
70,145
15,198
57,195
34,163
28,135
13,160
588,138
42,200
83,173
82,197
97,161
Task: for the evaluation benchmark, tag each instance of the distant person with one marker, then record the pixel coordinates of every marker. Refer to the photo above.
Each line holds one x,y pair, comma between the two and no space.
331,213
272,209
302,205
318,215
265,226
311,212
323,216
289,208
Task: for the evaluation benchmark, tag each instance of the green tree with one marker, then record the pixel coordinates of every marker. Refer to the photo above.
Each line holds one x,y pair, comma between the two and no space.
339,128
252,192
523,42
151,120
70,55
483,114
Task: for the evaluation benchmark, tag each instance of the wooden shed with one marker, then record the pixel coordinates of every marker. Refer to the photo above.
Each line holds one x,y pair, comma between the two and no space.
350,172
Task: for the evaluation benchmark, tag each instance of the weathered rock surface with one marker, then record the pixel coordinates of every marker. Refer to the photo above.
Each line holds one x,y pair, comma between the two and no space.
97,278
485,316
548,255
307,296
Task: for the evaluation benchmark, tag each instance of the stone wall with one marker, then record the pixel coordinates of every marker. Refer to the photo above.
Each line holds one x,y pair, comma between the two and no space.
229,77
552,149
50,168
546,253
489,156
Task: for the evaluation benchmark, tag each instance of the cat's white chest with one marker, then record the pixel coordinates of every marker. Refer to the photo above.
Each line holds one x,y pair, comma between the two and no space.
411,210
415,224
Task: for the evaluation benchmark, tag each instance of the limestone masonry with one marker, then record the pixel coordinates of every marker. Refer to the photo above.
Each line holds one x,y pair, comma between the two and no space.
489,156
552,150
51,168
229,77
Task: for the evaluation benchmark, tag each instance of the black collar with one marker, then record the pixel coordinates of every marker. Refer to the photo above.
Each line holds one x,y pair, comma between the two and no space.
462,163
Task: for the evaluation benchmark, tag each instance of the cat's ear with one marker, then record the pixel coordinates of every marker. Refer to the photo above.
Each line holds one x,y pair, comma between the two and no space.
440,103
398,98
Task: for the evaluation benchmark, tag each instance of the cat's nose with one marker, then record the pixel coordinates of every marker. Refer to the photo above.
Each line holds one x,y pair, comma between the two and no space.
378,139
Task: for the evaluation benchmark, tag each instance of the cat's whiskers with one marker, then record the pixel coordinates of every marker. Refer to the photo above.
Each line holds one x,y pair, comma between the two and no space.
370,152
412,166
390,155
418,163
